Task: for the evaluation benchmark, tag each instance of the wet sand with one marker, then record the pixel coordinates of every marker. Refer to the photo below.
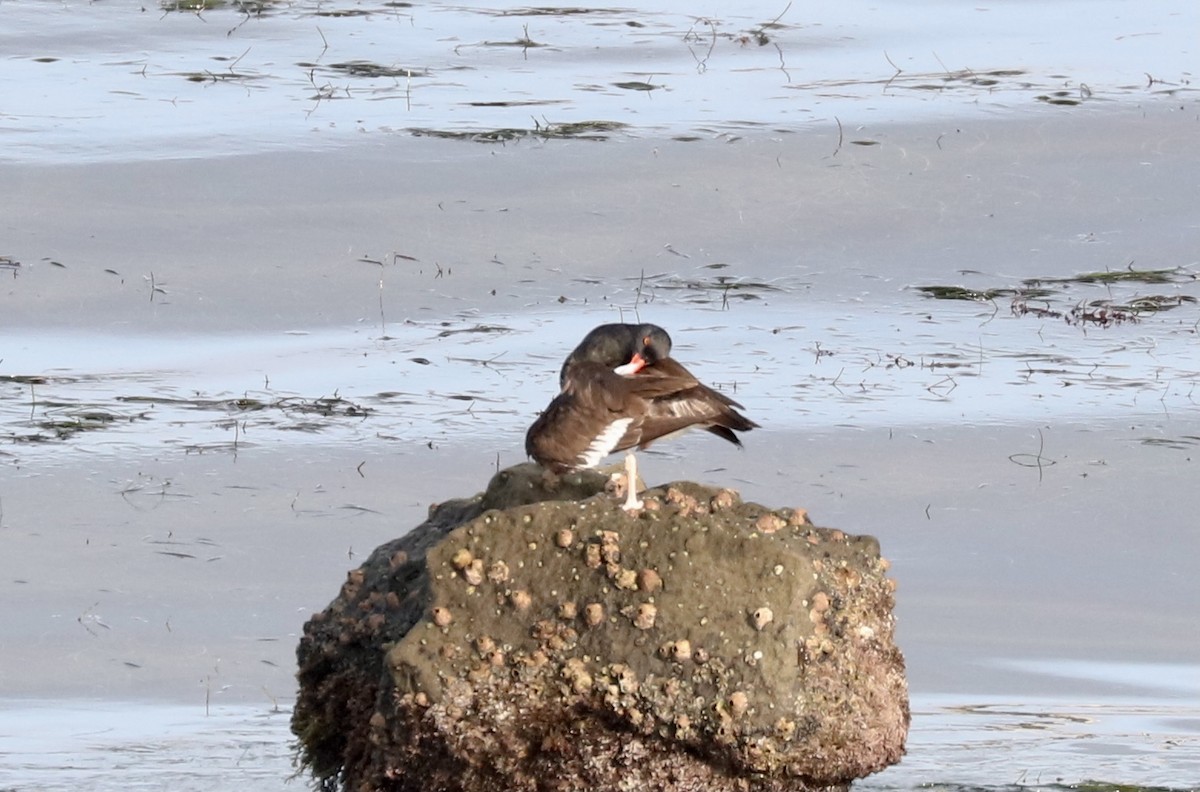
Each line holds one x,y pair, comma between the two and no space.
176,577
1041,526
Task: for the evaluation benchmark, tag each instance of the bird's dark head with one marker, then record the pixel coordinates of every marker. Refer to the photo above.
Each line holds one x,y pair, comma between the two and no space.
628,347
650,345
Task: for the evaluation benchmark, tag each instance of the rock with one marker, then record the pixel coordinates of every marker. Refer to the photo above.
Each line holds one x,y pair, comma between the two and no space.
703,644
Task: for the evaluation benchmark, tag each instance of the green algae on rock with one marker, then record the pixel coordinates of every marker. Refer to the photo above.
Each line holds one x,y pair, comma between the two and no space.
539,639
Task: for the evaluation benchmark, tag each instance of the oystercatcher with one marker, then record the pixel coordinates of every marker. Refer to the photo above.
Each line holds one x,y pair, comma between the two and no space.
621,389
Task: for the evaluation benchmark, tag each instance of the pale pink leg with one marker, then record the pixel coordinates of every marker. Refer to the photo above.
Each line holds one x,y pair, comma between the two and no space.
632,503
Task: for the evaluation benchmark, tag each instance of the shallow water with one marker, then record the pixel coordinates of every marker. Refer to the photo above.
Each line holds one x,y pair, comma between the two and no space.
248,370
120,81
75,744
912,363
990,744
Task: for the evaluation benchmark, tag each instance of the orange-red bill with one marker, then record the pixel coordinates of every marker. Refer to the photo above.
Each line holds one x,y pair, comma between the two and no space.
635,364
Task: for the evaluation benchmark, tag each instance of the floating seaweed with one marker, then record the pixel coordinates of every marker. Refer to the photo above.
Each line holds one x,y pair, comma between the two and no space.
250,7
1036,296
369,69
579,130
1127,275
964,293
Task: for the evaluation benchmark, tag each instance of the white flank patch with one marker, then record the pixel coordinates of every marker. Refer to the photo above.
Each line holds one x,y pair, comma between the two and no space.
605,442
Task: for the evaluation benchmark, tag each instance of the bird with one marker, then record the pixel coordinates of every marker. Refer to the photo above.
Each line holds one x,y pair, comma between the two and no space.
620,389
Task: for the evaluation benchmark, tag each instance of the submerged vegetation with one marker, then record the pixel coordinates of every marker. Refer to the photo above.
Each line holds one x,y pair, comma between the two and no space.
251,7
722,288
362,68
1127,275
963,293
581,130
53,419
1051,297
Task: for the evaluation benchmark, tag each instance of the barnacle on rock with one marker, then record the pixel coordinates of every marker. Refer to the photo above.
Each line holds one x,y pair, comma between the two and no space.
633,652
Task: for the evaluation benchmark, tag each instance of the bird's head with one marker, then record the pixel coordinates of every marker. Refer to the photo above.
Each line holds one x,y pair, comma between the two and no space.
650,345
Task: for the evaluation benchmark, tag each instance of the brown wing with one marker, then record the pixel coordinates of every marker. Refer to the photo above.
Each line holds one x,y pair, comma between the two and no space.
600,412
672,369
675,401
592,417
